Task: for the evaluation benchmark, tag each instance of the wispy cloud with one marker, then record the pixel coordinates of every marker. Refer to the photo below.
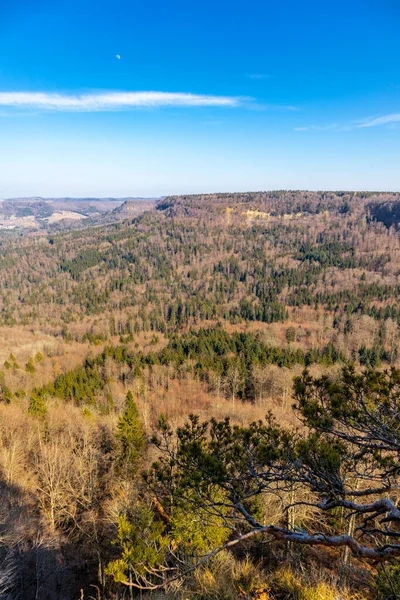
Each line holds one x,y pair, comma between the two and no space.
332,127
276,107
360,123
112,101
385,120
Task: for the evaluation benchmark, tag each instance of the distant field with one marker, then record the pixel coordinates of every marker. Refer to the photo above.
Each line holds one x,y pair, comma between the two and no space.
43,213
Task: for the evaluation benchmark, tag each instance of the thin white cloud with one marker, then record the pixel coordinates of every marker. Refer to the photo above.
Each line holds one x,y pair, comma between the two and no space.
385,120
368,122
111,101
262,107
332,127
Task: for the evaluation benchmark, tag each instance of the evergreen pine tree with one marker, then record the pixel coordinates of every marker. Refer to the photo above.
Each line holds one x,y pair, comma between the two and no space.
37,407
130,433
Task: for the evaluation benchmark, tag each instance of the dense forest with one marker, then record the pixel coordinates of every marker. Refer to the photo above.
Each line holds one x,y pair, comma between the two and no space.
203,402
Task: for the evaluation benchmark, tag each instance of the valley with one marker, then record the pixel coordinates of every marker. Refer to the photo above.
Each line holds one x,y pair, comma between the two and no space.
181,355
32,214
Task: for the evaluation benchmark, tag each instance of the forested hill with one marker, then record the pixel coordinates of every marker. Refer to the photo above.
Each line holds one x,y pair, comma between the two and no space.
138,362
258,257
278,203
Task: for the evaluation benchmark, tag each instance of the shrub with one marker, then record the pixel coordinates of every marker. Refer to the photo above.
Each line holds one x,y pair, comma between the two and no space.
30,367
387,582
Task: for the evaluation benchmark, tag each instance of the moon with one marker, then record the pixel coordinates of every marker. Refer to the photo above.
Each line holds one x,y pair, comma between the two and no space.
118,56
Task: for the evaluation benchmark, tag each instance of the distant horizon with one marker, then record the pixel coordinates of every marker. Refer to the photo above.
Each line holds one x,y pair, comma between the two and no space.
109,198
37,197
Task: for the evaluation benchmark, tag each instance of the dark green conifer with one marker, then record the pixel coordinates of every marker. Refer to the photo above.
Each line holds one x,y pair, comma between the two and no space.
130,433
37,407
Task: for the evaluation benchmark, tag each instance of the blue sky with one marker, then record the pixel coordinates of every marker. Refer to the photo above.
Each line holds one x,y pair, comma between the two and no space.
205,96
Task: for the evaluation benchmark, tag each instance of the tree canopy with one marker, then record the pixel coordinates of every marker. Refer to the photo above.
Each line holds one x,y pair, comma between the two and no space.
344,455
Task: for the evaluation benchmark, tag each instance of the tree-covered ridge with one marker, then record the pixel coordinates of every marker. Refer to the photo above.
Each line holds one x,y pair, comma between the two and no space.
207,354
228,256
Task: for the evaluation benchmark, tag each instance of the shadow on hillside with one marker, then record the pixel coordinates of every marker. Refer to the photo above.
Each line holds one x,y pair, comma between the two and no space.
34,565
